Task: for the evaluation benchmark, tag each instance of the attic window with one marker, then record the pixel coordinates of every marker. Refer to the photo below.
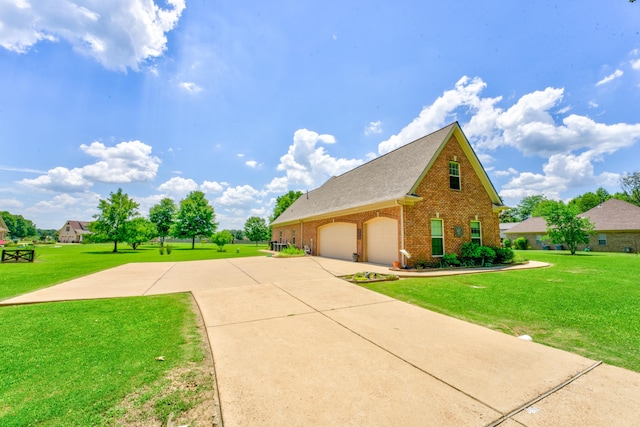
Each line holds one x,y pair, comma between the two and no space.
454,175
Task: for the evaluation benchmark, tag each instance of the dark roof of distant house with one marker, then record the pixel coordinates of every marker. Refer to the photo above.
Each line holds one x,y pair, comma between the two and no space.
612,215
534,224
392,176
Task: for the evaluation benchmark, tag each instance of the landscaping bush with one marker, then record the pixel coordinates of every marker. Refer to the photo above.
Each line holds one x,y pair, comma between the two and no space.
486,256
503,255
449,260
520,243
469,253
506,243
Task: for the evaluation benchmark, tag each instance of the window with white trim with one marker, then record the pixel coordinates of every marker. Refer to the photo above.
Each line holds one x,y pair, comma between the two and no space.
437,237
454,175
476,232
602,240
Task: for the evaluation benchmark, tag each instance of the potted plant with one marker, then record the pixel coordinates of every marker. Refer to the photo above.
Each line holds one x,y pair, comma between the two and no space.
354,256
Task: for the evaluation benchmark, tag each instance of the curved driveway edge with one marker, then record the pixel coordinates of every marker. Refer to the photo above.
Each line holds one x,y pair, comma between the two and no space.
294,345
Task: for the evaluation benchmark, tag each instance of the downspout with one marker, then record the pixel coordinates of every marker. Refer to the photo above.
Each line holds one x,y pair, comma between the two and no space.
401,231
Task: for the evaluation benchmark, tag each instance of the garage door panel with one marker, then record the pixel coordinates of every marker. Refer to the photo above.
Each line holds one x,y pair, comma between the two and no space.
382,240
338,240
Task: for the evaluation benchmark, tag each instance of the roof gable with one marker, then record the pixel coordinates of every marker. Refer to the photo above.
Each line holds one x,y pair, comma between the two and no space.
79,226
390,178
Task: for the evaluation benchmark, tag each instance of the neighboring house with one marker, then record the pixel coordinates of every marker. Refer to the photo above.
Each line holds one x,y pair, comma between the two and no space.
427,197
504,226
616,223
4,230
73,231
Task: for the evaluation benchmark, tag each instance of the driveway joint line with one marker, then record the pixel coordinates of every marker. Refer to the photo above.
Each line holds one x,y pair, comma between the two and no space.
245,273
155,282
392,353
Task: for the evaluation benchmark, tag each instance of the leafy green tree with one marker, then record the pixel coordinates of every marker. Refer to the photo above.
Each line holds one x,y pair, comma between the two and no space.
222,238
110,224
565,226
630,183
237,234
543,207
257,230
195,218
139,230
283,202
18,226
527,205
163,216
509,215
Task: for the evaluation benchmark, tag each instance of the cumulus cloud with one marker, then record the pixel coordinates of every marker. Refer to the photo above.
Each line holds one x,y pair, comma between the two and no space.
11,204
635,64
251,163
616,74
124,163
373,128
242,196
178,187
533,125
119,34
212,187
308,165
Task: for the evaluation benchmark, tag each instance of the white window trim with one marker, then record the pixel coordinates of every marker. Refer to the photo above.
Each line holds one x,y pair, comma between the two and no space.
458,176
441,237
479,227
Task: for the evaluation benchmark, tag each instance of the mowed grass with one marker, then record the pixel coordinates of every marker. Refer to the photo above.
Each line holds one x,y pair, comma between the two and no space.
587,304
58,263
72,363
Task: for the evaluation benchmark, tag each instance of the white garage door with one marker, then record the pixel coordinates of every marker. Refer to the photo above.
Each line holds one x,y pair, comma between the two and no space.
338,240
381,236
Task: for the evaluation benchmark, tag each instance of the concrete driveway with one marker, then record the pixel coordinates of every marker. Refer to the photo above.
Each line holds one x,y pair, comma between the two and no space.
294,345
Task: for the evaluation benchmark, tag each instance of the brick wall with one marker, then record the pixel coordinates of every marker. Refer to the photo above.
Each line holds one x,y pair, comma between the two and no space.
457,208
616,241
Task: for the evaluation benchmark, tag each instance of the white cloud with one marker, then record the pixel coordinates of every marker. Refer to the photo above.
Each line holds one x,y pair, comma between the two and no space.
8,204
635,64
373,128
307,165
126,162
616,74
510,171
251,163
119,34
210,187
190,87
178,187
243,196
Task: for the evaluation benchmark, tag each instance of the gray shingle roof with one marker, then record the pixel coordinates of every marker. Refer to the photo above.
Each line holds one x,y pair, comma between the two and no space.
383,179
612,215
615,215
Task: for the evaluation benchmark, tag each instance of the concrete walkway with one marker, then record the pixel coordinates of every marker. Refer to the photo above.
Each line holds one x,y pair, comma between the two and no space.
294,345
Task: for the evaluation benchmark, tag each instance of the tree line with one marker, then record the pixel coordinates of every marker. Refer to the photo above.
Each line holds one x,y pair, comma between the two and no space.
119,220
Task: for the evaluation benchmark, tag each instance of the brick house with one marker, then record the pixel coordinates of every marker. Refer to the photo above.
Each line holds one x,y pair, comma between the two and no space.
427,197
617,228
73,231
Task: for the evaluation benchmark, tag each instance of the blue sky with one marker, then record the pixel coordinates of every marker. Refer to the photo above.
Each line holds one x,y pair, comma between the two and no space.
245,100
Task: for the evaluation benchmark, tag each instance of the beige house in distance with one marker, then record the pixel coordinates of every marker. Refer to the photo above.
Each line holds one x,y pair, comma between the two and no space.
617,228
4,230
73,231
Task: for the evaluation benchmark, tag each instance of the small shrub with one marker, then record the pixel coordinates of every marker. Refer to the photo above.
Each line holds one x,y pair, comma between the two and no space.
161,250
486,256
169,249
292,250
506,243
449,260
503,255
520,243
469,253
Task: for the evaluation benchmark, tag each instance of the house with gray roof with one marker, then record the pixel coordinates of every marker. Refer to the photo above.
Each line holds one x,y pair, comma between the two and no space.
616,224
73,231
426,198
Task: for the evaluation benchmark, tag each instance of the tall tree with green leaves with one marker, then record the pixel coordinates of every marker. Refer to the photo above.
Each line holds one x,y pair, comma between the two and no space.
163,216
566,227
138,231
283,202
18,226
256,229
115,212
527,205
630,183
195,218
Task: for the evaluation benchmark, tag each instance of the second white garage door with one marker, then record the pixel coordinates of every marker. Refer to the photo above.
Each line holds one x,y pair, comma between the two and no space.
338,240
381,236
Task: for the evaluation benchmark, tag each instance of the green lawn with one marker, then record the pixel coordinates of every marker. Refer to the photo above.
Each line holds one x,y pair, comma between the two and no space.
588,304
58,263
73,363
